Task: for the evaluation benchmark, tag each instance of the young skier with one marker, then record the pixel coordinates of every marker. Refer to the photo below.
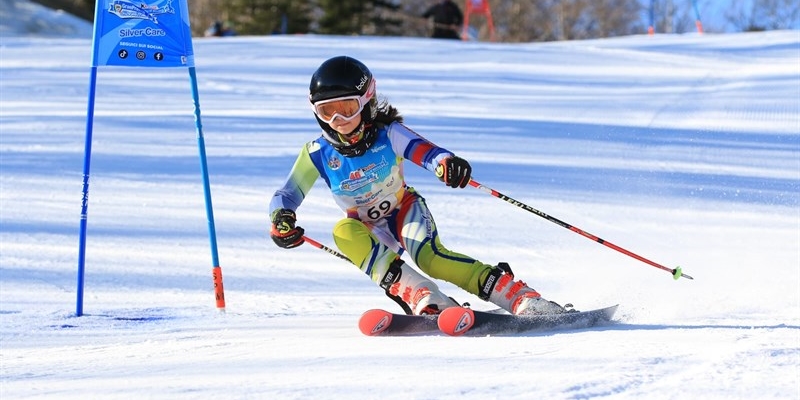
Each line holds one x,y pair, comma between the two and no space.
360,156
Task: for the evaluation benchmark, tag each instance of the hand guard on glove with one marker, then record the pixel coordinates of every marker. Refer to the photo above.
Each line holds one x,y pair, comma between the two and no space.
454,171
284,232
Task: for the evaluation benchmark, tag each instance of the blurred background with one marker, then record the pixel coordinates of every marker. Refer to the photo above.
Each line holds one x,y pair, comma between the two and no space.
513,20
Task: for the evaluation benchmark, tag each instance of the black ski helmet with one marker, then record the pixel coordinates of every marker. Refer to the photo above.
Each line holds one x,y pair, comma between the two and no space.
345,76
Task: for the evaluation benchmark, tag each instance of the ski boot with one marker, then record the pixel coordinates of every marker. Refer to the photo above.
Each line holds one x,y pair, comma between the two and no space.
515,297
415,293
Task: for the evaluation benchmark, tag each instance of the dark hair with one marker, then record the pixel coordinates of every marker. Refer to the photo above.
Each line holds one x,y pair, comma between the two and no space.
387,113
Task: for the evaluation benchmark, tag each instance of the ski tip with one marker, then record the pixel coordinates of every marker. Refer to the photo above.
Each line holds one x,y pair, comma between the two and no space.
374,322
456,321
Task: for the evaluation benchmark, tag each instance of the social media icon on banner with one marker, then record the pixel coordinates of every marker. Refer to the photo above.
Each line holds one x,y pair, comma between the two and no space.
158,27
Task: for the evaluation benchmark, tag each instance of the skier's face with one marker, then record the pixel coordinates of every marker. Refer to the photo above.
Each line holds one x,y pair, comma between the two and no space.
345,127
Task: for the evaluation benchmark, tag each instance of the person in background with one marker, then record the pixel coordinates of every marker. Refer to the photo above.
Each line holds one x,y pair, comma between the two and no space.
447,20
360,156
219,29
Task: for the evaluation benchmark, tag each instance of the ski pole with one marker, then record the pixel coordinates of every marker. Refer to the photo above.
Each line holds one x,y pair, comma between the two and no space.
325,248
676,272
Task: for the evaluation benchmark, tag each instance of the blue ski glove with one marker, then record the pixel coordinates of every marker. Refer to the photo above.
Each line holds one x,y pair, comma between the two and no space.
284,232
454,171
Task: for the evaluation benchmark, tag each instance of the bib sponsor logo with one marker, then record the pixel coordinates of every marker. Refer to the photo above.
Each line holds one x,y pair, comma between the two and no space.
334,163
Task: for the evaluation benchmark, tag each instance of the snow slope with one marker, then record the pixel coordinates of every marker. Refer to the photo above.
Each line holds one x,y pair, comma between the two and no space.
23,18
683,149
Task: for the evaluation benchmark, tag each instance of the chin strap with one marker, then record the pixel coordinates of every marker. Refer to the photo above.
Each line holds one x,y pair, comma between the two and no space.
355,136
369,136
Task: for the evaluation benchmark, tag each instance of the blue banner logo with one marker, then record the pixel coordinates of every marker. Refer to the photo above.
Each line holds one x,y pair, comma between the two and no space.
151,33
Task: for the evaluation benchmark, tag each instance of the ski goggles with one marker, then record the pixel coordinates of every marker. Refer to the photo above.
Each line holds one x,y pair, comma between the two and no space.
347,107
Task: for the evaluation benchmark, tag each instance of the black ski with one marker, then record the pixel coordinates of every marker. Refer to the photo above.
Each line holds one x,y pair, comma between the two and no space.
457,321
